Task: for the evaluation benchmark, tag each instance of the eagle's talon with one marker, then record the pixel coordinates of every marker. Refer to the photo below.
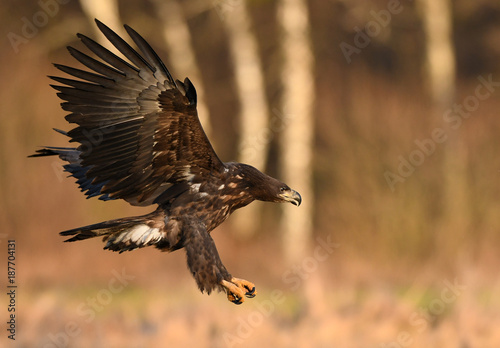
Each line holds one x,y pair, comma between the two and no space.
234,293
250,293
237,288
246,286
235,299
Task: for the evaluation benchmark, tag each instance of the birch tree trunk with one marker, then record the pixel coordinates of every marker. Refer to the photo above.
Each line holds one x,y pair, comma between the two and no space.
296,139
107,12
440,57
440,67
297,144
181,52
253,148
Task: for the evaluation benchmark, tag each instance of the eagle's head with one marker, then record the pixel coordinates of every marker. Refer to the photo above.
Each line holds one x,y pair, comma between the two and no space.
263,187
286,194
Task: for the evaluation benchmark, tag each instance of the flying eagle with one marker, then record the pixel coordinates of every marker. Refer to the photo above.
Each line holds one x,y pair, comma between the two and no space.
139,139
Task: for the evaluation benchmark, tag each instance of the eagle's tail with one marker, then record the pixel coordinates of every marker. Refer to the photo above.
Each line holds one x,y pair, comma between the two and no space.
125,234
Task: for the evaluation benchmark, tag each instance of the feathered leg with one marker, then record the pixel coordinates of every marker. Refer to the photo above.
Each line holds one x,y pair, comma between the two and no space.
207,268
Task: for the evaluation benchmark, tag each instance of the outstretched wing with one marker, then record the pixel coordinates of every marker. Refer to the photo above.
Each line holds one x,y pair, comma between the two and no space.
138,130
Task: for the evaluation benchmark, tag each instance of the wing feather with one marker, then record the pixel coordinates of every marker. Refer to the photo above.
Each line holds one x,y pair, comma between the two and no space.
109,57
100,80
138,128
96,65
161,72
127,51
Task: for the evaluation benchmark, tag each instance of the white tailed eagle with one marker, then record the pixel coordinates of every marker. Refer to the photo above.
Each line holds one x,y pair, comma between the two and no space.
139,139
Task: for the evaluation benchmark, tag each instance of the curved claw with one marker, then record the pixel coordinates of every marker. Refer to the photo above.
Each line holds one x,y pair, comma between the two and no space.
235,299
251,293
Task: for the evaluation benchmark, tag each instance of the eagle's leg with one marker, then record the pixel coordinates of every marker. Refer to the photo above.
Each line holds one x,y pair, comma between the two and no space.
207,268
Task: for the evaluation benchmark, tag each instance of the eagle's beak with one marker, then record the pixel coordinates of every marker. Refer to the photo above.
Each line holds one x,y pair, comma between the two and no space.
292,197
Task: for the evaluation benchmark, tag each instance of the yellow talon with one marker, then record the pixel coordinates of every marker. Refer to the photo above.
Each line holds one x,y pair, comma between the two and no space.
237,288
246,286
234,293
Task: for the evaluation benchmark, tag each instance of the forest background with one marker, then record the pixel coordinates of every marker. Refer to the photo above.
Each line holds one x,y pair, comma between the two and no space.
383,114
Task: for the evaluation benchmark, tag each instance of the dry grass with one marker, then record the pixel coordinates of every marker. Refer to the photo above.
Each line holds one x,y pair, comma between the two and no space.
333,308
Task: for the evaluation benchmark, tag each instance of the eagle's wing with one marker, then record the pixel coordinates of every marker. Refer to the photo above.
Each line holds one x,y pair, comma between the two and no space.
139,134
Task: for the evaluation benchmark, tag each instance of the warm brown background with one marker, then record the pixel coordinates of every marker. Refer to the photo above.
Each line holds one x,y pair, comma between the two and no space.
386,284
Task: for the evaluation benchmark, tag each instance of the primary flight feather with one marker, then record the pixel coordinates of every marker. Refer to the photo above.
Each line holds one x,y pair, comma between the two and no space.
139,139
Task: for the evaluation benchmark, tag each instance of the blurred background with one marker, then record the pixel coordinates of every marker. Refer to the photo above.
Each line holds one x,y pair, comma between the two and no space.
382,114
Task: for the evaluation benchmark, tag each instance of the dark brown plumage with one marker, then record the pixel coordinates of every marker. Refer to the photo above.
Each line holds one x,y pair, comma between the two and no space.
140,140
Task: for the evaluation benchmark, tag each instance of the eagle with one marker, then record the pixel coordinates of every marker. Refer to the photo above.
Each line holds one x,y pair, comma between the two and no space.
139,139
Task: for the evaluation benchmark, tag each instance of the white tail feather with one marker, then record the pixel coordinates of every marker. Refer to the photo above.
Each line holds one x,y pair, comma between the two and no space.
136,236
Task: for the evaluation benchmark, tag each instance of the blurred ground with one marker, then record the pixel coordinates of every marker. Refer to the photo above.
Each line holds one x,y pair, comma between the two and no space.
409,269
148,299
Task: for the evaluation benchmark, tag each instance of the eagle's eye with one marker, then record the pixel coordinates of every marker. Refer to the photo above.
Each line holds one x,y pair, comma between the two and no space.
282,189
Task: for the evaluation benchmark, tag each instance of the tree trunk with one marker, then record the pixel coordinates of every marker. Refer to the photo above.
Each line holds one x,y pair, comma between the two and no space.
440,56
107,12
253,145
297,142
440,67
181,52
296,139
